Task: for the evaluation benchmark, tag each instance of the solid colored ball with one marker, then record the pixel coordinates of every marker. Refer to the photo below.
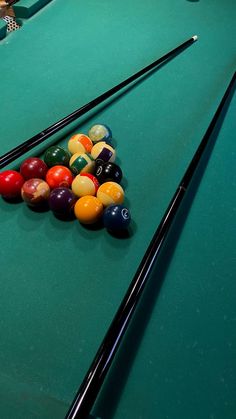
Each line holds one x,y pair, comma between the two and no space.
80,143
85,184
59,176
104,152
106,172
116,218
33,167
110,193
88,209
62,201
100,132
35,192
11,183
81,163
56,155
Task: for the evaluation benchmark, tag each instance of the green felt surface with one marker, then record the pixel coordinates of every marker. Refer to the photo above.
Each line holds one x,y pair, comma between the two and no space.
62,283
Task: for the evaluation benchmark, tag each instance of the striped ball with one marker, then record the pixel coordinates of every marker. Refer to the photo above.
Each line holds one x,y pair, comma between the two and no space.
103,151
81,163
100,132
79,143
84,184
110,193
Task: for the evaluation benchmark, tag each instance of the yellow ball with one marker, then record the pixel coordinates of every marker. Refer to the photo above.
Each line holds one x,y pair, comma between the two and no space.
88,209
103,151
110,193
79,143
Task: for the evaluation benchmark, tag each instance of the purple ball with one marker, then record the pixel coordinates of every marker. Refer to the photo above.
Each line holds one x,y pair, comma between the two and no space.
62,201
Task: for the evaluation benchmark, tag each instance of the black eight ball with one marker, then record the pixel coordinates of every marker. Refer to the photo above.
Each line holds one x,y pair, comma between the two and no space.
108,172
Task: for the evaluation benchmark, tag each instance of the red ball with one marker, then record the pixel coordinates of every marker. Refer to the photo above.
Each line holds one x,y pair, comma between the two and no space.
35,192
59,176
10,184
33,167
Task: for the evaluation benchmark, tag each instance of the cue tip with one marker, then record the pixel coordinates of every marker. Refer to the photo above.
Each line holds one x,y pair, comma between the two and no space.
195,37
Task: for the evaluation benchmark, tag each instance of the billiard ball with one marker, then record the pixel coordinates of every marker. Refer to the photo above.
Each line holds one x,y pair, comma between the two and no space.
103,151
62,201
116,218
56,155
106,172
110,193
11,183
35,192
88,209
33,167
59,176
100,132
84,184
80,143
81,163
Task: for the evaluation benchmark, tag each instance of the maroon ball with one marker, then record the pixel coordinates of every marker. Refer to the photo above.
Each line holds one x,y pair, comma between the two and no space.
33,167
35,192
62,201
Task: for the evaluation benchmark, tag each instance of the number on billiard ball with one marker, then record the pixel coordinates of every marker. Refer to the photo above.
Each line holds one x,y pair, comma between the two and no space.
116,218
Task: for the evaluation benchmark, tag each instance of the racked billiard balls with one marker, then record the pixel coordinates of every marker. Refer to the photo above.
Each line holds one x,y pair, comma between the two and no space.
59,176
35,192
33,167
56,155
103,151
116,218
110,193
81,163
80,143
88,209
62,201
84,184
106,172
11,183
100,132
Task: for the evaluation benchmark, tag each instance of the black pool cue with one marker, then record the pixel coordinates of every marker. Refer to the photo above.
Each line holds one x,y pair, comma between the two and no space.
21,149
98,370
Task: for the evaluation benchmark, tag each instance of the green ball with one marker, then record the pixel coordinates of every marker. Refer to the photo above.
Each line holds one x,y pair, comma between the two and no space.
56,155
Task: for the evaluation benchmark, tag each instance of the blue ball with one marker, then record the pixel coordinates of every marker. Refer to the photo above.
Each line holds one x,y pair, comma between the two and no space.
116,218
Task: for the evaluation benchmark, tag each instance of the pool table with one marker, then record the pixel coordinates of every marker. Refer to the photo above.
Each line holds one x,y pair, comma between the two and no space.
61,283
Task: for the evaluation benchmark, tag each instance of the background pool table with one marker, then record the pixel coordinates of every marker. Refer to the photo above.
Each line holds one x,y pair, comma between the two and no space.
61,283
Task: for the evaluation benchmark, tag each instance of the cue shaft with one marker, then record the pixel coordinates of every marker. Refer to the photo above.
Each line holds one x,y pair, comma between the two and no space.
96,374
62,123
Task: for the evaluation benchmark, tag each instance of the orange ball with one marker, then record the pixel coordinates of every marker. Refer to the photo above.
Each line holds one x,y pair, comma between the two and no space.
88,209
110,193
59,176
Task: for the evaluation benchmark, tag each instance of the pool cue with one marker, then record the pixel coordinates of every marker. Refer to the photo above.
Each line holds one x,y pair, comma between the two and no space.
91,385
62,123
